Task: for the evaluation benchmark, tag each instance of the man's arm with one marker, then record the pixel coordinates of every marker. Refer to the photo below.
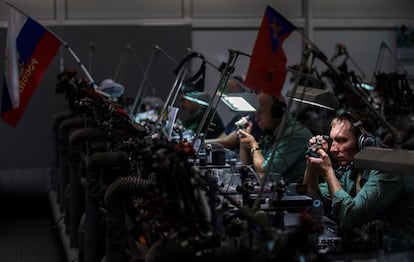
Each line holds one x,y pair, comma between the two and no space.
377,195
311,181
229,141
250,152
321,166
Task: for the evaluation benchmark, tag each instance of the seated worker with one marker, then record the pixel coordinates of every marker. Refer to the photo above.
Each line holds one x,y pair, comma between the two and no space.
354,196
230,139
194,105
235,85
288,158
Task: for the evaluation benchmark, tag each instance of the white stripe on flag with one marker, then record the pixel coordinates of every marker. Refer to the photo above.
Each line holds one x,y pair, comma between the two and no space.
16,22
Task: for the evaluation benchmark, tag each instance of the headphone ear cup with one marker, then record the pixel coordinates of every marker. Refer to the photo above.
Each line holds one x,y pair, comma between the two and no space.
278,109
366,139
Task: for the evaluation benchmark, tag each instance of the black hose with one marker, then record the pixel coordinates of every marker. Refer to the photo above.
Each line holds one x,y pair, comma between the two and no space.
116,231
105,160
57,120
65,128
77,152
98,164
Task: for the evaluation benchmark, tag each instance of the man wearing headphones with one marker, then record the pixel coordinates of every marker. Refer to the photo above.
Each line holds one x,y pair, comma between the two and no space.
230,139
353,196
287,158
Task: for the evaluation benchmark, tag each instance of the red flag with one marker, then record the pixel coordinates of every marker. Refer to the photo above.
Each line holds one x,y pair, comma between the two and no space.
29,51
267,68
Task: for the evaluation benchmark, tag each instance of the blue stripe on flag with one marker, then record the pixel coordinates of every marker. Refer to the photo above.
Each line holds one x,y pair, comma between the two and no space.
28,39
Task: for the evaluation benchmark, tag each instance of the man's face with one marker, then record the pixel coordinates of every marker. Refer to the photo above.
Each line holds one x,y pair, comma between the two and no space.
344,144
263,114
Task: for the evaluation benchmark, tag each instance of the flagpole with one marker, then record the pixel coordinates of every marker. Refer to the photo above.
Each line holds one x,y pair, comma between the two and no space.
77,60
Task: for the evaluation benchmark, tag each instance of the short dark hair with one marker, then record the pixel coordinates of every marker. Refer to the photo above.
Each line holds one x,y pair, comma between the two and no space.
360,121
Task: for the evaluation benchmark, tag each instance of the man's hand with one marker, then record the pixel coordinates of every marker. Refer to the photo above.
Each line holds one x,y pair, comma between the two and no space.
319,162
246,139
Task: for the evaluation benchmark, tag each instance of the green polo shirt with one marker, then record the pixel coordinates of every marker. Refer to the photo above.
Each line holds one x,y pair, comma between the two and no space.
289,157
383,196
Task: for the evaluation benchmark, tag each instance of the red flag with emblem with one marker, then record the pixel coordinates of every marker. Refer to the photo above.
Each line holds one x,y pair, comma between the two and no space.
267,68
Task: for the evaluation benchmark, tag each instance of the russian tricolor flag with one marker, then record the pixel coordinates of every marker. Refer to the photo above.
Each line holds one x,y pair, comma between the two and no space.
30,48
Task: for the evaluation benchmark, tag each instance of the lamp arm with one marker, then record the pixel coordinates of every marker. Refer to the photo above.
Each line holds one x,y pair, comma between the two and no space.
395,134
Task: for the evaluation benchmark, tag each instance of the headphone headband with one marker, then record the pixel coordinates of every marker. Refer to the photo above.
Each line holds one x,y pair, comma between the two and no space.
356,122
200,73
